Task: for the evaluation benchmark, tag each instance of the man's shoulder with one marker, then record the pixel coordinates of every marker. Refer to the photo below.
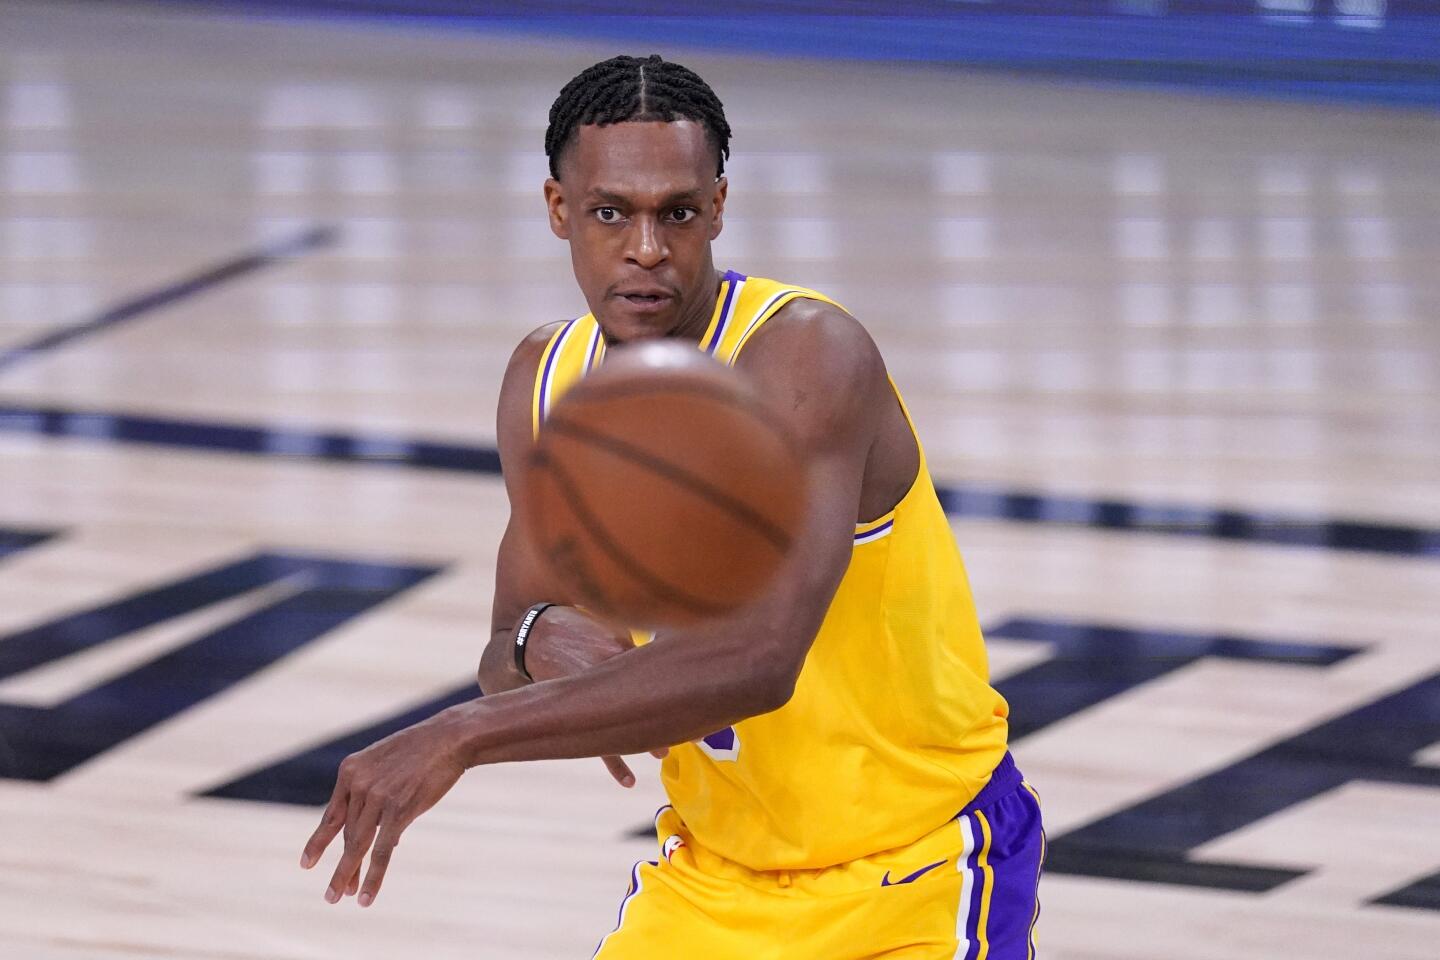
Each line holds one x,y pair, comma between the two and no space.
816,348
526,356
535,341
805,307
826,315
820,330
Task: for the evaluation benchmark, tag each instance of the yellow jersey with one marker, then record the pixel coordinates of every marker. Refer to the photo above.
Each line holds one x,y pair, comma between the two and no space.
893,726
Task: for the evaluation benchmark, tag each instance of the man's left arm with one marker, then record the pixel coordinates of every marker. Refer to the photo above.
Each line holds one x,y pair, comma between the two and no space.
821,374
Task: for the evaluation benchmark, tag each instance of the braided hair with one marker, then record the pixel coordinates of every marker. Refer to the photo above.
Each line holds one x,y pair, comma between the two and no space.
624,89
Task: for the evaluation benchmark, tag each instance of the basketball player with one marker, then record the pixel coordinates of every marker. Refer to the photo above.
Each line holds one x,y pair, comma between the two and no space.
837,770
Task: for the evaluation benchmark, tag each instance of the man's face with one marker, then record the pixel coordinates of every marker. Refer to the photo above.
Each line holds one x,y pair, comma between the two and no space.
639,203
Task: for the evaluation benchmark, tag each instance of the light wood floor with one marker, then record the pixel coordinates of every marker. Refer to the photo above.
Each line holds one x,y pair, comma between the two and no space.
1086,293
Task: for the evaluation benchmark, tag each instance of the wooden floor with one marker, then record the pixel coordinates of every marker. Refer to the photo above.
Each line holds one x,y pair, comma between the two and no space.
1093,297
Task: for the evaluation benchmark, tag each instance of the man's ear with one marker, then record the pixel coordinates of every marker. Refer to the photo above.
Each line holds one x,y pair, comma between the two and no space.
718,224
559,212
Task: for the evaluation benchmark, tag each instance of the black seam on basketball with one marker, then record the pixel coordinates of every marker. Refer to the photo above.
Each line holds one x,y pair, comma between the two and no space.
737,508
657,587
584,392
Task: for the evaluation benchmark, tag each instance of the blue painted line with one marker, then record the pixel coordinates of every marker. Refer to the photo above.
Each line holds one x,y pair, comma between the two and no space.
261,441
1234,47
13,540
1280,529
1423,894
1095,662
307,777
961,500
1372,743
311,239
41,743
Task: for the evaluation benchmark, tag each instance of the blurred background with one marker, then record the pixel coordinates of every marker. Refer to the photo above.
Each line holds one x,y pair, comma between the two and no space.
1158,280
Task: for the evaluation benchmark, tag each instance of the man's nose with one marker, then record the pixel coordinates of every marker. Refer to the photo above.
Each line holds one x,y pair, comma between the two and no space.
647,244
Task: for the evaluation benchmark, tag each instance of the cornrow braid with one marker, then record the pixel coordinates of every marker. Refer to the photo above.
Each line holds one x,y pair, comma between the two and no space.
624,89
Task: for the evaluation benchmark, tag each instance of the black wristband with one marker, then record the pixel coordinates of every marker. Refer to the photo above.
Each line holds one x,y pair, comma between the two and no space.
522,634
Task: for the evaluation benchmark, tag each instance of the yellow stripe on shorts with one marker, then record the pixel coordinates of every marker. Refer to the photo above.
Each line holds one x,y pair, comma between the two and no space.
987,874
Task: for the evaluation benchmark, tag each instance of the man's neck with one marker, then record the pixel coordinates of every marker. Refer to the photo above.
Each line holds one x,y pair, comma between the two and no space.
694,325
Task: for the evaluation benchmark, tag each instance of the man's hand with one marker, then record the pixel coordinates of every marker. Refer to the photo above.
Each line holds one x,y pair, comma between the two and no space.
379,792
567,641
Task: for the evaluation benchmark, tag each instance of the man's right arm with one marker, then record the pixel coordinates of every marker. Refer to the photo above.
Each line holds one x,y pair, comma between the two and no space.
564,641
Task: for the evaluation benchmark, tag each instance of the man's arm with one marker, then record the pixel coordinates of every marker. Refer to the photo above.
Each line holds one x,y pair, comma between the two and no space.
519,580
823,376
565,640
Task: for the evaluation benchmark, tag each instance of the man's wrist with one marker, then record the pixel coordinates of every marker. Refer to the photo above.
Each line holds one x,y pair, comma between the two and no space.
464,731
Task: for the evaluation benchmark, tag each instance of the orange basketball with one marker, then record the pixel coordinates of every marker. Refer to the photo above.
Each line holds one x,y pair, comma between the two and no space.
661,490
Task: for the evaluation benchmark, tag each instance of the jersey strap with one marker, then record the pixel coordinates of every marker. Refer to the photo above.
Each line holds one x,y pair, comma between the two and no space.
573,351
757,300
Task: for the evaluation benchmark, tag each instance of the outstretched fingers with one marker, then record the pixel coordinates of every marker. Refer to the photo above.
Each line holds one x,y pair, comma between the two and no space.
385,844
331,822
362,819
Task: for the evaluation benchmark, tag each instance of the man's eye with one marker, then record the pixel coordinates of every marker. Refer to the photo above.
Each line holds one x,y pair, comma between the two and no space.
608,215
684,214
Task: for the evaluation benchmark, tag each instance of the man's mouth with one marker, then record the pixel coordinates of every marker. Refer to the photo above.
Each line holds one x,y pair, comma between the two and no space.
646,301
643,295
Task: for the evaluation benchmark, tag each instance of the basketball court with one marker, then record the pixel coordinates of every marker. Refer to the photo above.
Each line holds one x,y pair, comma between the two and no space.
1175,357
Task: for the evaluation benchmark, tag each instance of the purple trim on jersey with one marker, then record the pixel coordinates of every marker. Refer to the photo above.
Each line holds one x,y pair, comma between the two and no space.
594,349
549,363
883,528
734,282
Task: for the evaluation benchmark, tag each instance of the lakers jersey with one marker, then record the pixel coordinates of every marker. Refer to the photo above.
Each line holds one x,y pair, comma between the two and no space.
893,725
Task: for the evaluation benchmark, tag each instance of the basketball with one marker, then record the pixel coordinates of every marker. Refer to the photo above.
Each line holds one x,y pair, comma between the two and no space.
661,490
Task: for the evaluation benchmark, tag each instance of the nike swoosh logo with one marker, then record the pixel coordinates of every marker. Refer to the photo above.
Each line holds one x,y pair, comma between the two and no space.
885,881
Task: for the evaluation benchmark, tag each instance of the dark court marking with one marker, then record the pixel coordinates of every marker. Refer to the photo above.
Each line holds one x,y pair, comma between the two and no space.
311,239
1094,662
970,501
1423,894
259,441
321,594
1279,529
13,540
1381,53
1151,840
308,777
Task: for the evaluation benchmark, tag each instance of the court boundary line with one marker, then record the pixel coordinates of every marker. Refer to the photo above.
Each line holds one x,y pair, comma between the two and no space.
1371,64
312,238
966,501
